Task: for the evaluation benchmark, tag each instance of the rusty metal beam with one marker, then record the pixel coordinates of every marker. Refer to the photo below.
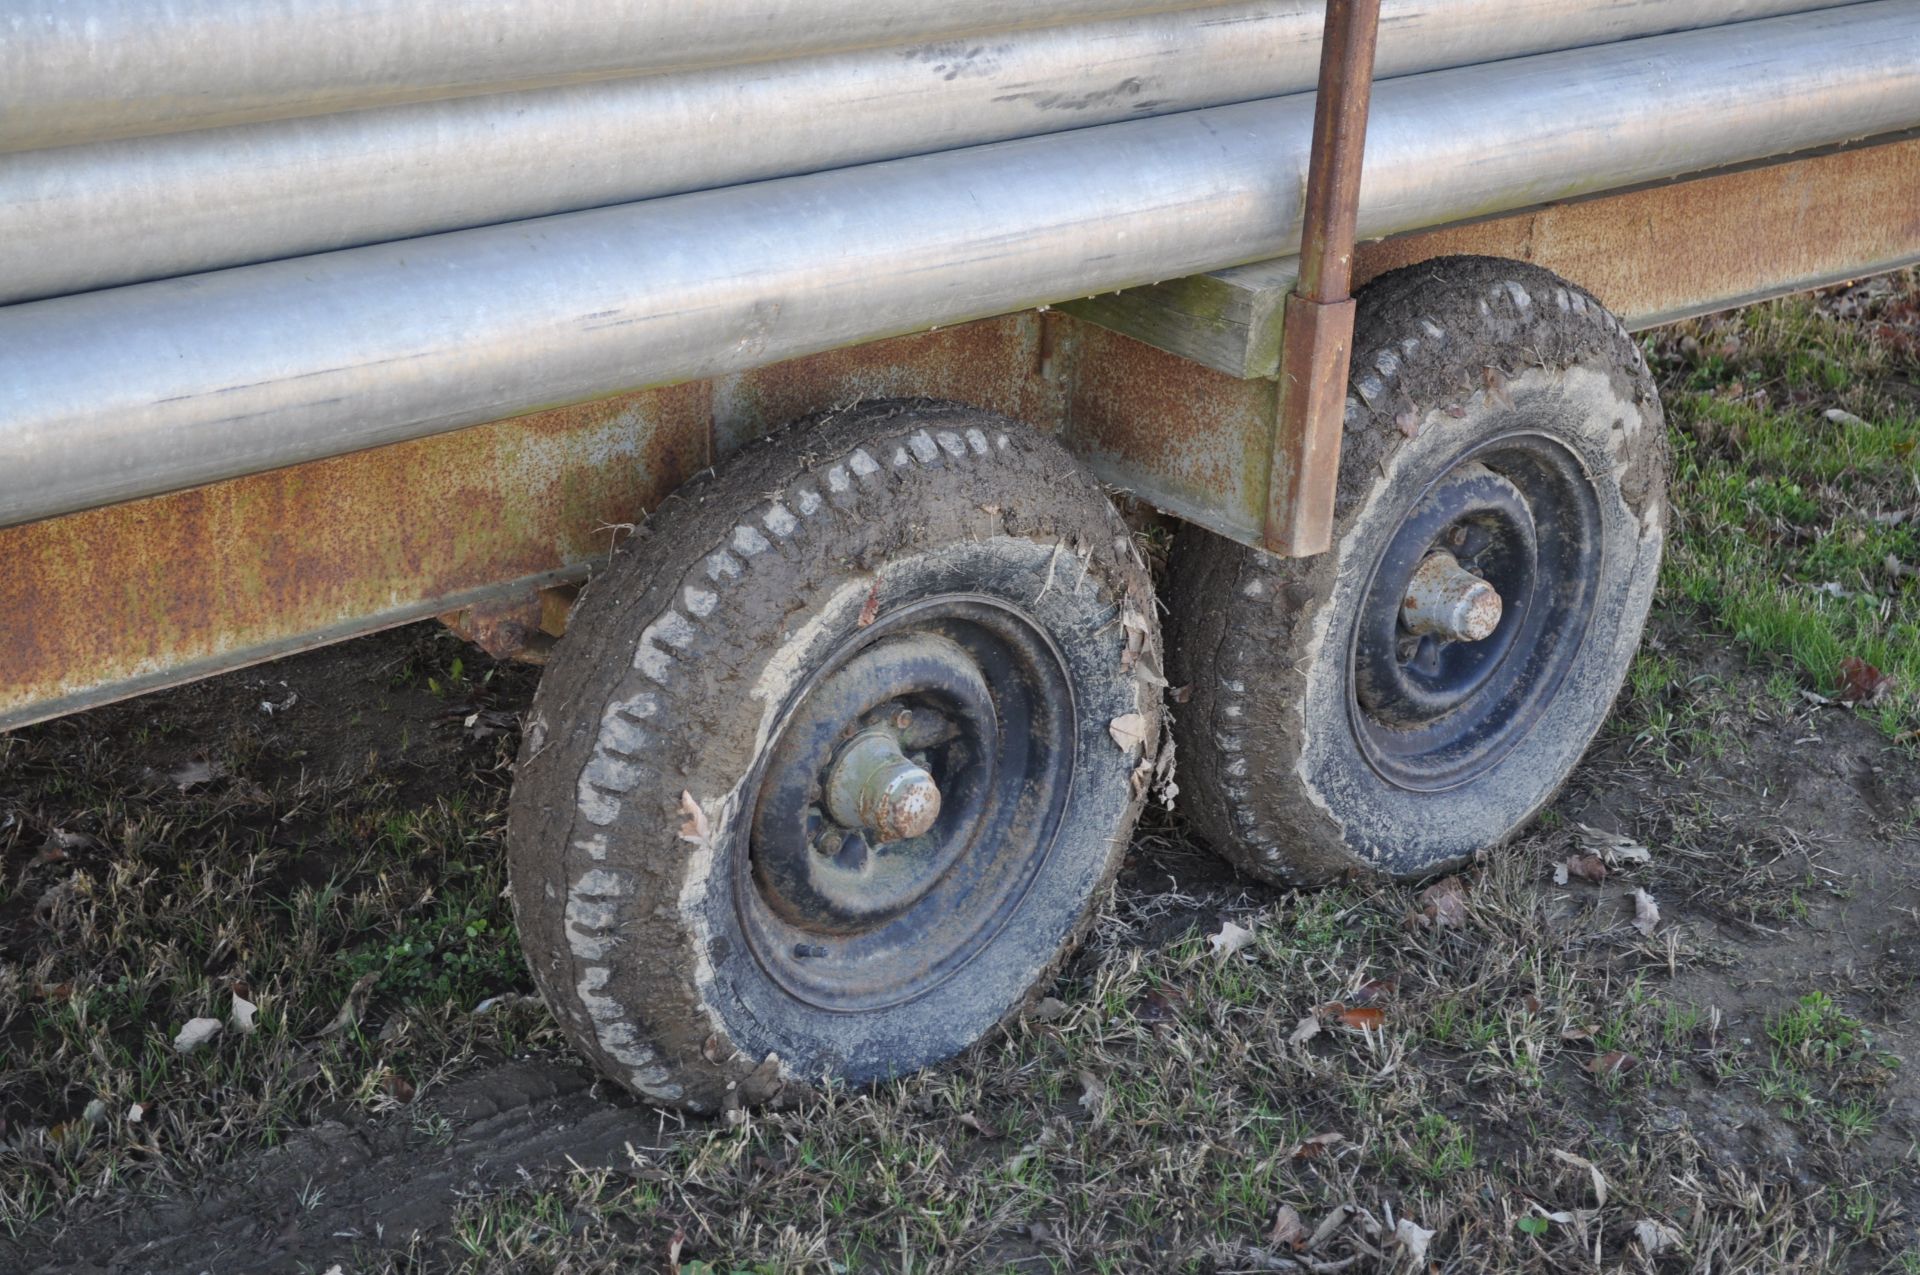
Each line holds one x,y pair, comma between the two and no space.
1317,340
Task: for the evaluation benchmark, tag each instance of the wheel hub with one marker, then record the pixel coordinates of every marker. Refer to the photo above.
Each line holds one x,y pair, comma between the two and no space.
874,789
1477,605
905,803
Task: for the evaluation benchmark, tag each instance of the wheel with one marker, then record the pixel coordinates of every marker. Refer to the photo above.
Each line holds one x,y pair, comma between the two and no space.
1415,694
826,775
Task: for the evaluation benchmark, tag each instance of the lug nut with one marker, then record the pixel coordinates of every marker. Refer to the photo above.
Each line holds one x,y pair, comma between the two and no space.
874,787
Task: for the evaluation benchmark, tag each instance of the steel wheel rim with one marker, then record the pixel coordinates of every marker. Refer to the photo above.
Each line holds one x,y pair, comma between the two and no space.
1453,711
985,680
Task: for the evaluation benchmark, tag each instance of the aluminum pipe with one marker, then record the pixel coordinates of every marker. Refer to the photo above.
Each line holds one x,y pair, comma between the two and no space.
134,391
77,218
86,70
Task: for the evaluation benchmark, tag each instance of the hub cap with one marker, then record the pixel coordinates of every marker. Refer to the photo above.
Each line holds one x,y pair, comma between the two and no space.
1475,611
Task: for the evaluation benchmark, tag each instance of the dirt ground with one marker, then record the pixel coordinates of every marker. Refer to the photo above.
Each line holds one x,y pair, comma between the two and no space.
1670,1028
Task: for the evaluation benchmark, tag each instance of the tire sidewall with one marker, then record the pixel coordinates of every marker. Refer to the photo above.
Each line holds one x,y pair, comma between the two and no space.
1598,417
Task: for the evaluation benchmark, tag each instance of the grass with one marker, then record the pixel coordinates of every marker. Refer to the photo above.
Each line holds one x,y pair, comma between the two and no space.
1797,486
1165,1109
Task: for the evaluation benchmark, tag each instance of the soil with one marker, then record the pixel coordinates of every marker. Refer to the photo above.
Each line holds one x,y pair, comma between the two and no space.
1788,858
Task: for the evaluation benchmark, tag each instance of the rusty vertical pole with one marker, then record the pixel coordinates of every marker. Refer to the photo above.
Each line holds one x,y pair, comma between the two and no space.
1317,339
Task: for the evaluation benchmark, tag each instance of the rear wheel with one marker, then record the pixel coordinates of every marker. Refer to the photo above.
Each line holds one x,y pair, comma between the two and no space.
821,782
1418,692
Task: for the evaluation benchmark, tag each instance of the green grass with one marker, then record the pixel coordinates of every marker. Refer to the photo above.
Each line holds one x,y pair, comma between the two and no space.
1797,534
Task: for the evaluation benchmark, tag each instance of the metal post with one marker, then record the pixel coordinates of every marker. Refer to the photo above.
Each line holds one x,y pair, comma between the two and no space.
1317,339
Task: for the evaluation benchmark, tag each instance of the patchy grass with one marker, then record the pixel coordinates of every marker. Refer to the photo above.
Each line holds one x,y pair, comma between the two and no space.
1545,1086
167,866
1796,431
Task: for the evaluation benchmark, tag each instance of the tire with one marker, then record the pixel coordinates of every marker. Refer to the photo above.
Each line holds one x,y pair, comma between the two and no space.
935,583
1504,411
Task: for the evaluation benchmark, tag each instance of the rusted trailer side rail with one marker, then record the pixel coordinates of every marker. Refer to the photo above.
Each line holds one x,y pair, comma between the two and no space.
112,602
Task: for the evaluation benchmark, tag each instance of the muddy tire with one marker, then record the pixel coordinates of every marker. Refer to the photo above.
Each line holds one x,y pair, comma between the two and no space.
1496,414
820,782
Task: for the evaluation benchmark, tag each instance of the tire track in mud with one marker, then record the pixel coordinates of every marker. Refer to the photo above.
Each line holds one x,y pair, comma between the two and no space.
333,1192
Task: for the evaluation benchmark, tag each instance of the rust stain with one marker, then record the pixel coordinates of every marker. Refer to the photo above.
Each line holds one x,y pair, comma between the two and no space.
1690,247
1185,438
153,591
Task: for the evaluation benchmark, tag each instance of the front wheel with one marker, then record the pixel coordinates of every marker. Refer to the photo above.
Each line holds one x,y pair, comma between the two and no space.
824,778
1418,692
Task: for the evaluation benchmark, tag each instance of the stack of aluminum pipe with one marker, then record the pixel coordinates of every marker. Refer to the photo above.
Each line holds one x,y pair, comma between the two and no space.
237,236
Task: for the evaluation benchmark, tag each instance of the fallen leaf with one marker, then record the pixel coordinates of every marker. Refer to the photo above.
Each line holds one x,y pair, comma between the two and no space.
136,1113
1288,1230
978,1125
1357,1017
1093,1096
1611,846
196,1033
871,610
1654,1237
1229,940
693,827
190,774
1646,913
1862,683
1317,1146
1588,867
1305,1030
353,1006
1496,385
1408,423
1900,570
1376,989
1129,730
1047,1009
1444,904
1414,1238
1593,1172
1560,873
399,1087
1839,417
1181,694
1613,1063
1155,1007
242,1016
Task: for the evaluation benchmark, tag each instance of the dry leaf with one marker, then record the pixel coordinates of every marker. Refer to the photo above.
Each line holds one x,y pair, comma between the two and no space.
242,1016
1414,1238
871,611
1613,1063
1646,913
136,1113
1862,683
1408,423
1093,1096
196,1033
1305,1030
1288,1230
693,827
1317,1145
1587,867
1229,940
1047,1009
1611,846
978,1125
1593,1171
1129,730
1444,904
1155,1007
1359,1018
399,1087
1496,383
353,1006
1655,1237
1376,989
192,773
